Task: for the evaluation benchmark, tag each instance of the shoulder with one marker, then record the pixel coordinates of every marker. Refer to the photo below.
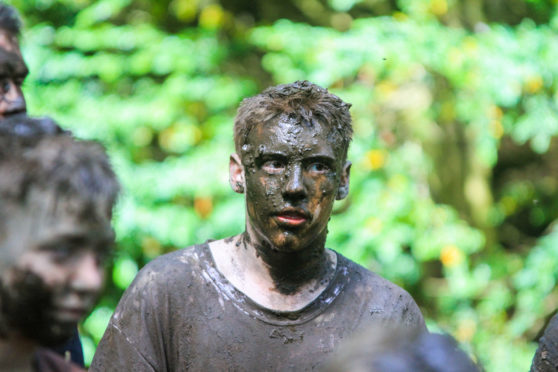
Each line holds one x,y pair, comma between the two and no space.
178,264
380,297
155,281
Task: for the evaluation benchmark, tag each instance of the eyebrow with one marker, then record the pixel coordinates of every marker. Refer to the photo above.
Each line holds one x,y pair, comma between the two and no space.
268,154
92,238
321,157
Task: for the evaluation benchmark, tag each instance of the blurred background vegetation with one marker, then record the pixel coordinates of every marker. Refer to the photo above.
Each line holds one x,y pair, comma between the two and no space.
454,191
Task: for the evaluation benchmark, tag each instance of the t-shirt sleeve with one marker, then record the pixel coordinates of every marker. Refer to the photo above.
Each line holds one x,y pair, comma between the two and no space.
116,353
411,315
394,307
134,338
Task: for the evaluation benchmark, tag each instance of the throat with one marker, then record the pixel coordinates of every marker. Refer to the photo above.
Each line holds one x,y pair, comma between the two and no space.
293,270
278,281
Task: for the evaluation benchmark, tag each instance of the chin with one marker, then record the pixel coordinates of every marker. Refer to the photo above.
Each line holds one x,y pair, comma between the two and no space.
286,242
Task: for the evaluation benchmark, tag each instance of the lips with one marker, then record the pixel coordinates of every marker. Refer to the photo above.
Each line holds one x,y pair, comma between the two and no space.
292,217
72,314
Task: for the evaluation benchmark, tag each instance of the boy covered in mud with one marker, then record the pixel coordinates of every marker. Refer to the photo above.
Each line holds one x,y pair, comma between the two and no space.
56,199
273,297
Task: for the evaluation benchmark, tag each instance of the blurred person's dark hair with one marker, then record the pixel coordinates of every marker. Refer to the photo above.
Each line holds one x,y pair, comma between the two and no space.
20,131
546,357
29,129
69,169
9,19
389,349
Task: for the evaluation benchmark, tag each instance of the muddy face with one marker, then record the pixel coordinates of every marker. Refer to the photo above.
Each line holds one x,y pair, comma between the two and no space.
12,74
293,173
57,280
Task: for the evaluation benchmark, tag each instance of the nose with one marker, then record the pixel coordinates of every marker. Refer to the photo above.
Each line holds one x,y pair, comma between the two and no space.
12,100
88,275
294,182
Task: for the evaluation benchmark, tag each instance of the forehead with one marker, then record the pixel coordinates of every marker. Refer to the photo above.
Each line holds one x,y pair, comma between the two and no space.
9,42
293,136
50,220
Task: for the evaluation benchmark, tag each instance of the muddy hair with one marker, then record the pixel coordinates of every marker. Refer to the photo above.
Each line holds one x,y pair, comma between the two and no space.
9,19
303,101
29,129
65,168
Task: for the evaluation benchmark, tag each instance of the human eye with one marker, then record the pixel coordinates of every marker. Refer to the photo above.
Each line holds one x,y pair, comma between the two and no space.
318,167
60,253
5,85
273,166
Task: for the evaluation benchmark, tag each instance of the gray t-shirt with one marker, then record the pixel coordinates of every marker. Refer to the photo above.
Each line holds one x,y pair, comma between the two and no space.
181,314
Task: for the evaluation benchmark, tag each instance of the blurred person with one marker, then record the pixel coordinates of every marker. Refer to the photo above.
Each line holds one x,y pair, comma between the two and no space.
546,356
381,348
19,129
13,69
13,72
56,199
273,297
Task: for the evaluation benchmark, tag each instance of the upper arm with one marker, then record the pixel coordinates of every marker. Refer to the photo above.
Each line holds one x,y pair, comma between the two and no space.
134,336
116,353
410,313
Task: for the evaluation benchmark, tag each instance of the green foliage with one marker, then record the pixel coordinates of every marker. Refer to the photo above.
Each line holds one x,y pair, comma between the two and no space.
453,190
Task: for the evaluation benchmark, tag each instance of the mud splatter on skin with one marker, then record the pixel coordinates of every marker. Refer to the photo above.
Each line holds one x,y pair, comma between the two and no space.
27,306
292,167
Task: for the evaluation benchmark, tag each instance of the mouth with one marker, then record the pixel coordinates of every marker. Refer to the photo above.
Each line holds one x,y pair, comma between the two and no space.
292,217
70,314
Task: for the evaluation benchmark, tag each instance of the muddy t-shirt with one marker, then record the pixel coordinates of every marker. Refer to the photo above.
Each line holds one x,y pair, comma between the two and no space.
181,314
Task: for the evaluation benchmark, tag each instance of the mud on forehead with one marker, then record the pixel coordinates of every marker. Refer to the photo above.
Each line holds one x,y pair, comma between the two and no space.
289,128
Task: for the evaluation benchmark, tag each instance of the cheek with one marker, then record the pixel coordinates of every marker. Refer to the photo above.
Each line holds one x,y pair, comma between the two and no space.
263,189
3,107
324,188
45,268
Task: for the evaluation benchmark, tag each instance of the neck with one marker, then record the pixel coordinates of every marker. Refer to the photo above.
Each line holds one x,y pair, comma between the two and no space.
16,353
289,270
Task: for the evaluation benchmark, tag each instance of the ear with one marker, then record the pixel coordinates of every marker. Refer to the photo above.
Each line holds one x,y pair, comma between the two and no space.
343,189
236,174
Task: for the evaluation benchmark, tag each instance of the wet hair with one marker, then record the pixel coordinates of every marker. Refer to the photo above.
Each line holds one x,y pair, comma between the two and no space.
30,128
20,131
546,357
9,19
65,168
400,350
303,101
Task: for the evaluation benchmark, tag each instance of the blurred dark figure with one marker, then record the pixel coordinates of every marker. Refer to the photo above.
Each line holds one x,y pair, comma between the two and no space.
27,128
381,349
13,70
56,198
546,357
